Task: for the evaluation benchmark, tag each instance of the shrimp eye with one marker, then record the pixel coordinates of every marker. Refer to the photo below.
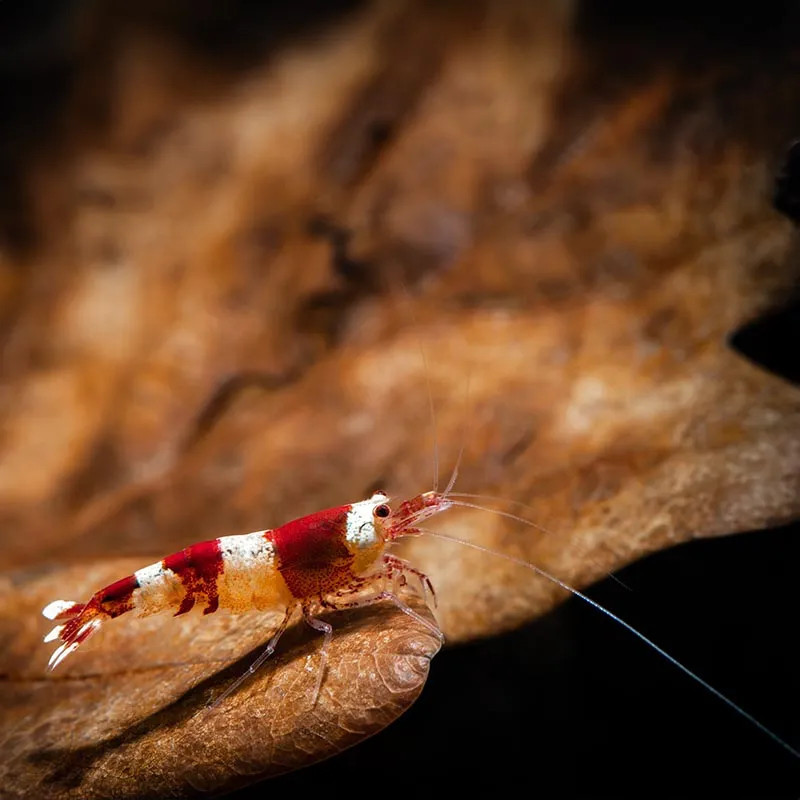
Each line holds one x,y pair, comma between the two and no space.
382,511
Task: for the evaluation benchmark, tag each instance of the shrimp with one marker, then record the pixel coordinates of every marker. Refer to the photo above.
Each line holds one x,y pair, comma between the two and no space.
323,559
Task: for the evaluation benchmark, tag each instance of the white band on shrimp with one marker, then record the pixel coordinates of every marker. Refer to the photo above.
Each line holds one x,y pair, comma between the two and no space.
56,608
54,634
360,524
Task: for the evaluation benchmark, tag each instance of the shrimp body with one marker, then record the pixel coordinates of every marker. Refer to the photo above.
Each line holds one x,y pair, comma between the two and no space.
329,554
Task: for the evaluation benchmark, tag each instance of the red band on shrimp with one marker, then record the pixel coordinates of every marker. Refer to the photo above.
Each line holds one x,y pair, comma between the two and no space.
117,598
315,540
312,554
198,568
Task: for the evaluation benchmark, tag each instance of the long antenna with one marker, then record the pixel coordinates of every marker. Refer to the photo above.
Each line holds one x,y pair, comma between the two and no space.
433,418
452,482
603,610
525,521
431,405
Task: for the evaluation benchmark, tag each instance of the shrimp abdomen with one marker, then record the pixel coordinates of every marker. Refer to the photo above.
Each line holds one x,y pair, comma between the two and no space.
236,573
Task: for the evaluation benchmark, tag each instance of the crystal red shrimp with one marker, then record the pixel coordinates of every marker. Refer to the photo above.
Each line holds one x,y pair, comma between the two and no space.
323,559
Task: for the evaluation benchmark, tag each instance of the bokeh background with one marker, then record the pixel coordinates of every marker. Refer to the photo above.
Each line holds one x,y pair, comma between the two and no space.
229,230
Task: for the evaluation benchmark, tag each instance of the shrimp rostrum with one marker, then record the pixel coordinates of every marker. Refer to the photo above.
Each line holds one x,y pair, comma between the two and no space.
331,559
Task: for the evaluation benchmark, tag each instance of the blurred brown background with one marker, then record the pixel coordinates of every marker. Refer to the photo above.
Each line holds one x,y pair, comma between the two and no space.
227,230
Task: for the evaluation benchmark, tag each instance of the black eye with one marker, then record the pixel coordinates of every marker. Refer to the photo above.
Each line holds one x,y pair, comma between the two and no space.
383,511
